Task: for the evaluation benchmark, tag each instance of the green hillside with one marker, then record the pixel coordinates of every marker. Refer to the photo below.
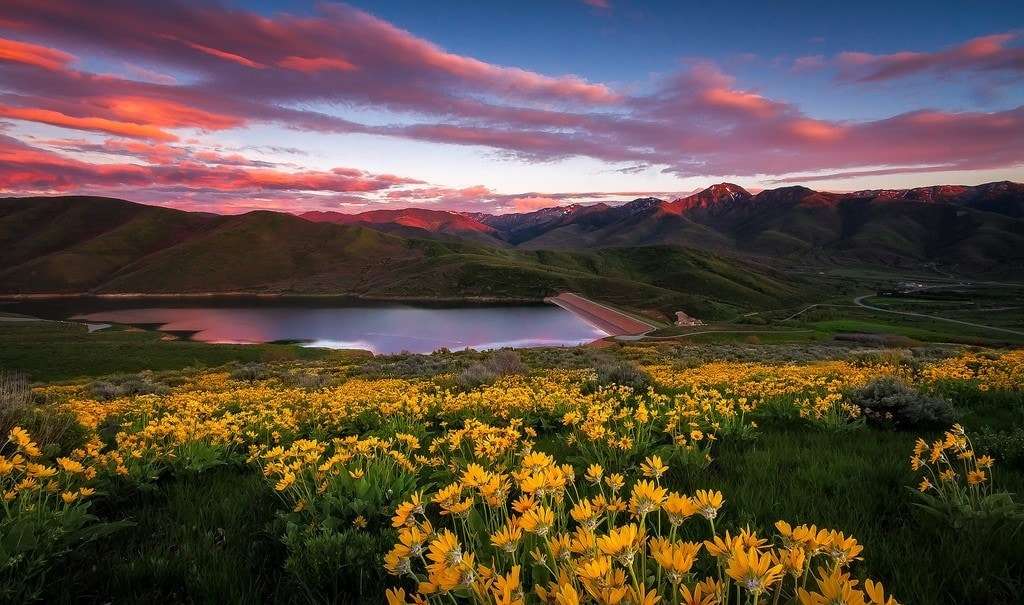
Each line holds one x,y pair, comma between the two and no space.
102,246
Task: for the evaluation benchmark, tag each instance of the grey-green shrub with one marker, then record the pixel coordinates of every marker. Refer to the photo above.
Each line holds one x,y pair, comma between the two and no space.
623,373
888,402
501,363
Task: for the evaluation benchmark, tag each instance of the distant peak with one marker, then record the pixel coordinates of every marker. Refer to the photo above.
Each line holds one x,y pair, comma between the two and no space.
726,190
713,196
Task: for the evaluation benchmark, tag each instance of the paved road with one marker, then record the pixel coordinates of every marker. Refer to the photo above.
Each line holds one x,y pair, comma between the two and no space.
859,301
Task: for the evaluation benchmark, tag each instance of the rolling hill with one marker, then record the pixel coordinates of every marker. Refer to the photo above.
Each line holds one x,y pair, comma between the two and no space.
414,222
75,245
963,228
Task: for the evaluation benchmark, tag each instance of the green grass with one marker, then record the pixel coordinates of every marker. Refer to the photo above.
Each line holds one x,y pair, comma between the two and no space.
739,333
196,539
857,483
207,538
52,351
924,330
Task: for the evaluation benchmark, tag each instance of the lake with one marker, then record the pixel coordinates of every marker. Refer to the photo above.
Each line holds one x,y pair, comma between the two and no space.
381,328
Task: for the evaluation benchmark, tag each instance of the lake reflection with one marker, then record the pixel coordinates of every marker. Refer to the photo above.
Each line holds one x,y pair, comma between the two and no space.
385,329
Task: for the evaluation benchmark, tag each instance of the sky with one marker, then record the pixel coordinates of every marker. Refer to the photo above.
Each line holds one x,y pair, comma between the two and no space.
501,106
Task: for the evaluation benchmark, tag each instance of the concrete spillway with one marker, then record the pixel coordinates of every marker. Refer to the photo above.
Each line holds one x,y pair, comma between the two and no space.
615,323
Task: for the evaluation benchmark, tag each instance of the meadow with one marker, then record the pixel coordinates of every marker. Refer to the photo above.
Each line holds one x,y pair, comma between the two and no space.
806,474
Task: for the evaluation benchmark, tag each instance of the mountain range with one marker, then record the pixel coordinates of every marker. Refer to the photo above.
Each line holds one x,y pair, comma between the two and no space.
710,254
964,227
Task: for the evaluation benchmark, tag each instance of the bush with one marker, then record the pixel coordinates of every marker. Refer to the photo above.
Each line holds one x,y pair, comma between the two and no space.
888,402
57,430
475,376
623,373
337,565
41,522
502,363
340,521
410,365
140,384
1006,445
506,362
251,372
311,380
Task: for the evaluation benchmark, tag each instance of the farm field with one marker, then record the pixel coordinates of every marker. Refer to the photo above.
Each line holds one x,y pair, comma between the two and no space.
714,473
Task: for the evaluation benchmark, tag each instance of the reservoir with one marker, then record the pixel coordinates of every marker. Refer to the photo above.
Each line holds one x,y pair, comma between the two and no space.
377,327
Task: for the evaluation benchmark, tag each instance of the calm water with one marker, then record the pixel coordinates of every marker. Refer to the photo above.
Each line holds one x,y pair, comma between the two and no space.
381,329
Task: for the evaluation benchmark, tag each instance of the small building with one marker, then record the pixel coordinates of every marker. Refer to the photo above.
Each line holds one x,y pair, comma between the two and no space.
682,319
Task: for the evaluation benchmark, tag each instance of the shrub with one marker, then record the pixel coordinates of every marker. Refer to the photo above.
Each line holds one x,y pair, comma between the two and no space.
337,564
889,402
475,376
310,380
873,357
410,365
57,430
502,363
251,372
1006,445
140,384
341,497
622,373
506,362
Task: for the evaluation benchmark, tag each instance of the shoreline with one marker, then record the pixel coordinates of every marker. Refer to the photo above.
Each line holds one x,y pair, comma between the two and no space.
507,300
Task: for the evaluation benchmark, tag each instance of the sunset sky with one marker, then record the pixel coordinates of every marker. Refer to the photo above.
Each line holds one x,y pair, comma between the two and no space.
500,106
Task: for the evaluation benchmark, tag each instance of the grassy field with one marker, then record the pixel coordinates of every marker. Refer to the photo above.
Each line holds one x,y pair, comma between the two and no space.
49,351
211,523
830,317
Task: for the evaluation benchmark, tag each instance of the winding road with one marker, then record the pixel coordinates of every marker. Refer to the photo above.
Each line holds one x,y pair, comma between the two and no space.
859,301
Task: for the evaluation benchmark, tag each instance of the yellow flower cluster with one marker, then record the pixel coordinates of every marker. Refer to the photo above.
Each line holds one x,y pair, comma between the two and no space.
951,470
28,485
305,470
480,442
763,381
701,403
535,528
1000,371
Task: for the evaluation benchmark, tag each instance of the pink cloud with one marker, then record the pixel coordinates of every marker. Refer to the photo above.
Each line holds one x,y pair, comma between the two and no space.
738,100
223,54
987,53
244,68
32,54
315,64
241,41
56,118
531,203
29,169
